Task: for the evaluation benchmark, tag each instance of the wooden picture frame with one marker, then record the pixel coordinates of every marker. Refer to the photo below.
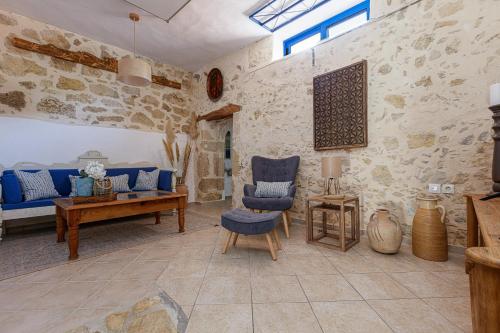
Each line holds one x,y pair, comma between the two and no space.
340,108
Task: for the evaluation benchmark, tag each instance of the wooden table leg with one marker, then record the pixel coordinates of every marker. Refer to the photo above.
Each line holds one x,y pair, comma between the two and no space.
73,233
358,222
157,217
324,223
342,227
235,238
60,225
180,218
353,224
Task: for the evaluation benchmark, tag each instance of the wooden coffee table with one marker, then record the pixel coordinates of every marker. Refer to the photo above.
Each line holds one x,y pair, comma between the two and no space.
69,216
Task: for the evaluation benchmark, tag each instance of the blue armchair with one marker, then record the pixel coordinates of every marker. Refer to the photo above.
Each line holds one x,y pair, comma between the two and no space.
272,170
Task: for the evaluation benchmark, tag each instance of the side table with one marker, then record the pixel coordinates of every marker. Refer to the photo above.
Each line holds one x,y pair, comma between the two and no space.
317,233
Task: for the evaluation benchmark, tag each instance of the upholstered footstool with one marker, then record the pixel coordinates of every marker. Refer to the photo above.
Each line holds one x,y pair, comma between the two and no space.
240,221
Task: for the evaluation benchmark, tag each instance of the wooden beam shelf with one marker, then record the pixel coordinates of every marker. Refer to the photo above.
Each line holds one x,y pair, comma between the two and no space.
222,113
84,58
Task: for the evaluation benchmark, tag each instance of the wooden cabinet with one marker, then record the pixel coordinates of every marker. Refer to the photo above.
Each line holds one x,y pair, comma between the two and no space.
483,262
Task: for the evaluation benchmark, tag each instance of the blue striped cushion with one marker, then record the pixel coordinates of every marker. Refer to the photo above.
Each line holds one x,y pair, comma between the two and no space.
272,190
147,181
120,183
37,185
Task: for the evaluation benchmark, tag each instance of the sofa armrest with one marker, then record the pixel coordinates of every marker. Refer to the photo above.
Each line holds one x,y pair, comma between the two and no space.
291,191
165,180
249,190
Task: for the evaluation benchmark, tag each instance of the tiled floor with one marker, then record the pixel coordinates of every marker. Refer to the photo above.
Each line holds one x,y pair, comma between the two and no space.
308,289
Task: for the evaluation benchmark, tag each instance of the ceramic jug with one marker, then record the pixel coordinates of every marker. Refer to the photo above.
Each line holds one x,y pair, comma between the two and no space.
429,236
384,233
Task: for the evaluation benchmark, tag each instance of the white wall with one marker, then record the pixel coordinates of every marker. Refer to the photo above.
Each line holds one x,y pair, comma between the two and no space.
29,140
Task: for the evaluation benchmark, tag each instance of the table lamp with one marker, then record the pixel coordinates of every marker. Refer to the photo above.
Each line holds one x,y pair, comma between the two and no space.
331,170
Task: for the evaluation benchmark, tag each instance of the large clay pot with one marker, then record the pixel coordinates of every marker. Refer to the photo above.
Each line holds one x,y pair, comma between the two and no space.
182,189
385,234
429,237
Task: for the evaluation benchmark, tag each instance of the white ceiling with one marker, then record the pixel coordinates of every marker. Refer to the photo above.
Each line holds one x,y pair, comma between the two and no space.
202,32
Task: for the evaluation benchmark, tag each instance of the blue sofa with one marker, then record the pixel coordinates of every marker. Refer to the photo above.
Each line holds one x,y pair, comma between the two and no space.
13,205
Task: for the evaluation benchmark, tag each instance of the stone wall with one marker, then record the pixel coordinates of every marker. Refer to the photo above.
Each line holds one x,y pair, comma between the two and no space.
429,68
38,86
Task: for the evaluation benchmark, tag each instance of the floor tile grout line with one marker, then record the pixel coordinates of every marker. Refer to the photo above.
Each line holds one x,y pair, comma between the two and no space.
439,313
310,305
378,314
195,303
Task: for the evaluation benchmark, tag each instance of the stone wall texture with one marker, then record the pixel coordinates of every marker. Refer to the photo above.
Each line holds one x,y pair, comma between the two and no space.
39,86
430,64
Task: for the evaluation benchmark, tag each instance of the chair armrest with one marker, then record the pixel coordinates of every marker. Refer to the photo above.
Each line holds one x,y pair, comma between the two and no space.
291,191
249,190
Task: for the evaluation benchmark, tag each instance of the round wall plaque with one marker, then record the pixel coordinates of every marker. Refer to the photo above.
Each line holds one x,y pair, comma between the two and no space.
215,84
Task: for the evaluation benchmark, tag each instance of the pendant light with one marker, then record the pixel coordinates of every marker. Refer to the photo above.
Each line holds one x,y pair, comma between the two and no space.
131,70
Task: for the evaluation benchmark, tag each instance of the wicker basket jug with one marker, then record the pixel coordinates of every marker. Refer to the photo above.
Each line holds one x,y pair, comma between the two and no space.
429,236
103,187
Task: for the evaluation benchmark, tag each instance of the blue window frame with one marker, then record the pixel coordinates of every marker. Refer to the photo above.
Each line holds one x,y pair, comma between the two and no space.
324,27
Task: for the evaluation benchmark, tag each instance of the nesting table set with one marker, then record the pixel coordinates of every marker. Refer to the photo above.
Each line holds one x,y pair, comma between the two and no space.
346,211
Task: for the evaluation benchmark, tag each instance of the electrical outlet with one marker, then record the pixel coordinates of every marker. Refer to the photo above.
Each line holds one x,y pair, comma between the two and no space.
434,188
448,188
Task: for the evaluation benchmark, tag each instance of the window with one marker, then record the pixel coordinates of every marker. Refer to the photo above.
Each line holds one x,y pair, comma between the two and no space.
278,13
333,27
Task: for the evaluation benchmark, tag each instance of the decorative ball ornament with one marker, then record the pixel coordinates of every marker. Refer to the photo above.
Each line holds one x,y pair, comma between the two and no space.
215,85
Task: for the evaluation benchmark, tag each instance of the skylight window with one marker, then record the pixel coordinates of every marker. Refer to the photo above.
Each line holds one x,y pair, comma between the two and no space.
278,13
339,24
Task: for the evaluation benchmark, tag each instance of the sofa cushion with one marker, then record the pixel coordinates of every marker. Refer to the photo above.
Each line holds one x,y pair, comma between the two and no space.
147,181
131,172
61,180
120,183
273,204
11,189
28,204
36,185
165,180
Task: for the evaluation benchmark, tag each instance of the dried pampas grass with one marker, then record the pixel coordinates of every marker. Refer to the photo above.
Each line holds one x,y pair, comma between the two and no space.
172,148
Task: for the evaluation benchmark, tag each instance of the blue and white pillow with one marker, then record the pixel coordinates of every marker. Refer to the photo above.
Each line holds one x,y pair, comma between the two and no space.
72,180
120,183
37,185
147,181
272,190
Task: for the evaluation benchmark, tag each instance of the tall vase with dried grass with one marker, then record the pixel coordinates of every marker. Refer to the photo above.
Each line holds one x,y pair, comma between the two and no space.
178,161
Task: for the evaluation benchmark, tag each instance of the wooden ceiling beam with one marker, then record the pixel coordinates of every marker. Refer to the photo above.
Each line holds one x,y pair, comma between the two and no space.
84,58
222,113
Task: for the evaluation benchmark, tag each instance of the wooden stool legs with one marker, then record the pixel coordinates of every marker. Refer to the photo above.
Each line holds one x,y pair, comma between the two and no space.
271,246
276,238
227,242
269,237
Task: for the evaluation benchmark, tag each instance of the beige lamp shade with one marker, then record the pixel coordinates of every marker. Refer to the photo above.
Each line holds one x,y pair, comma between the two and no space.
331,167
133,71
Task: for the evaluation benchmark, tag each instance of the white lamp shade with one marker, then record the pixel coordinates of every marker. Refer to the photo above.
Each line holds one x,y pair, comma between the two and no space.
331,167
133,71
